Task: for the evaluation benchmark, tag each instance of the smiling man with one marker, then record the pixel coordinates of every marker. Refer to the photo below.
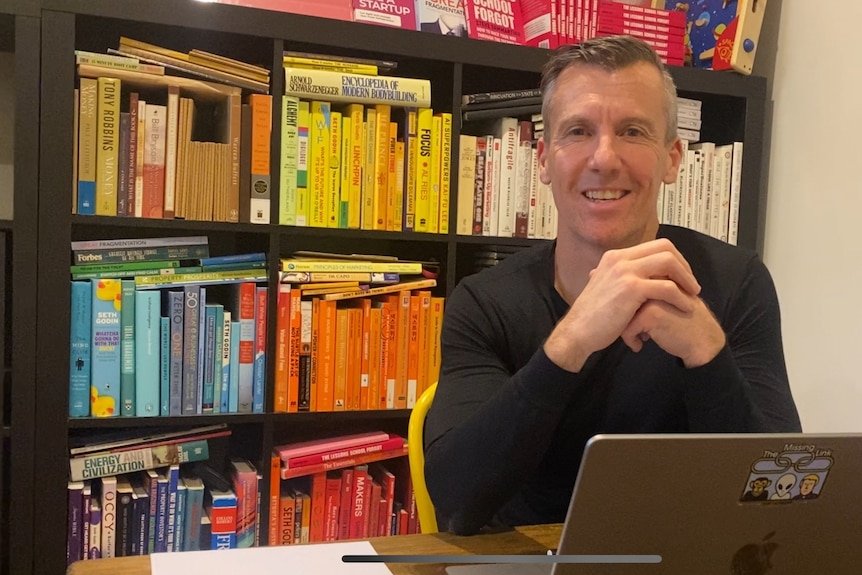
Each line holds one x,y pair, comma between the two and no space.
621,325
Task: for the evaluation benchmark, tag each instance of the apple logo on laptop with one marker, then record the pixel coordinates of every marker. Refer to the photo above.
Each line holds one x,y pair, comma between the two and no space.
754,558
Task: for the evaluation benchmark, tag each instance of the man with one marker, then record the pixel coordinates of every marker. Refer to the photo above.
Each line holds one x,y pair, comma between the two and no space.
446,24
619,326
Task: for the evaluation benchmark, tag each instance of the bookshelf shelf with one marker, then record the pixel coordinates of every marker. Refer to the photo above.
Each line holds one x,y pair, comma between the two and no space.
47,32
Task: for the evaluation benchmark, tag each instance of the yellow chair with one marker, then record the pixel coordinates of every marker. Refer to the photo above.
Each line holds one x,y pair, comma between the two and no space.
416,455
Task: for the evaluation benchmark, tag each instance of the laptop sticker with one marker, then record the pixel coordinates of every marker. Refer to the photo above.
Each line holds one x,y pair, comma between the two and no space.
796,472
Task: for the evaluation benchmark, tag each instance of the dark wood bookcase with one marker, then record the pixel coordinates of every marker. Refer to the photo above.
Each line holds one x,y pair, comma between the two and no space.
46,32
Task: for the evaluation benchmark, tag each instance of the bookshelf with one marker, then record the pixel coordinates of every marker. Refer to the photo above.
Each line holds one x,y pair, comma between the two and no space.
735,111
19,154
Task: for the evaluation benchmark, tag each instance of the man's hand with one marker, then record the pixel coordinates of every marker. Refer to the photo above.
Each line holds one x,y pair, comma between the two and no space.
617,291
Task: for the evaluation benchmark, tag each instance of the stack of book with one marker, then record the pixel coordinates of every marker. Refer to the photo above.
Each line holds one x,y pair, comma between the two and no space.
137,495
340,488
355,332
160,328
664,30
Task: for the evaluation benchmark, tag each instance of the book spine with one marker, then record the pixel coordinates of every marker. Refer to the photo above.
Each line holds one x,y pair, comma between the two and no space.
128,255
164,366
87,145
289,150
233,395
79,349
176,306
123,164
200,344
338,86
259,368
342,266
170,163
181,517
109,516
223,514
318,161
173,482
161,534
217,354
107,150
133,460
147,354
333,456
191,327
105,348
424,131
353,165
128,319
154,161
303,124
445,171
332,196
74,537
411,157
224,394
244,304
261,182
208,360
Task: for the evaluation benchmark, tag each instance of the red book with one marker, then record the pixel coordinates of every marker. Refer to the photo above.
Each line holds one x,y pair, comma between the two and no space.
335,455
360,496
344,463
495,20
333,499
290,450
345,505
317,526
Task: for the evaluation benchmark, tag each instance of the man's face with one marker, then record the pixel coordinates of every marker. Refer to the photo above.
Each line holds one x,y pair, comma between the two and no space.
607,153
807,486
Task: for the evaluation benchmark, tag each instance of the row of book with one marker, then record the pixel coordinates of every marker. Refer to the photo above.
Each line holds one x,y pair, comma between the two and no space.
165,334
705,196
360,488
143,495
363,166
355,347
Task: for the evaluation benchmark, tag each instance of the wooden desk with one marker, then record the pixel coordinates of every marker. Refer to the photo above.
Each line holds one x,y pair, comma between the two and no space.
521,541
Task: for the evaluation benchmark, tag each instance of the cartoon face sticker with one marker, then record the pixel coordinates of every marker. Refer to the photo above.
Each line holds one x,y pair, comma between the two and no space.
806,487
783,486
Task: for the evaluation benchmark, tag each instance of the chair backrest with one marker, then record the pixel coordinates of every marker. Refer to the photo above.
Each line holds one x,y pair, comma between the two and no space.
416,455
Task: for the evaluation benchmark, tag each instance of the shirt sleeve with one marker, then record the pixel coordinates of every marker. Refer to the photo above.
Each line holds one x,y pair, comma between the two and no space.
486,421
745,387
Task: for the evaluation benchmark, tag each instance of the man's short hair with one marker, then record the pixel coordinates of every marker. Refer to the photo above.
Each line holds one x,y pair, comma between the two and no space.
610,53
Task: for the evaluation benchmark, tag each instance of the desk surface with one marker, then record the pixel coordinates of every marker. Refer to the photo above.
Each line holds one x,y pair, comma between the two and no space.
521,541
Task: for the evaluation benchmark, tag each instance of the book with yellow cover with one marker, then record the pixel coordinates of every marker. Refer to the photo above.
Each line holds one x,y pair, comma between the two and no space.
107,149
318,162
354,196
321,64
434,188
338,86
303,120
289,150
333,171
424,139
381,166
445,171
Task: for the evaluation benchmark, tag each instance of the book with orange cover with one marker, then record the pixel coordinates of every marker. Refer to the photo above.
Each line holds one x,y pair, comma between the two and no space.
342,335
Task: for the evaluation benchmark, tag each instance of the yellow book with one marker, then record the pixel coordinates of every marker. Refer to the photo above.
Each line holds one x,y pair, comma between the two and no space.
131,43
325,285
108,146
391,223
304,265
229,65
318,162
411,149
354,198
337,86
333,171
424,139
289,149
399,186
346,151
303,126
369,137
320,64
381,166
445,171
201,277
434,189
380,290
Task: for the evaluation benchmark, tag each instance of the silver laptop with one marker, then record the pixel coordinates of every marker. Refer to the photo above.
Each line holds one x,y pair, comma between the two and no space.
740,504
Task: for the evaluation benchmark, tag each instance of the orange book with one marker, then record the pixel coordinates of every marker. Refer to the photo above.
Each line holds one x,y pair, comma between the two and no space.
436,329
354,358
402,340
326,357
287,518
364,352
342,335
282,329
315,354
424,341
387,353
274,501
375,343
413,350
294,348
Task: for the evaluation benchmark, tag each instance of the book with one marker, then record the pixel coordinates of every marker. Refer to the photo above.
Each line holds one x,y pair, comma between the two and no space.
289,450
112,62
502,95
105,464
303,265
344,87
441,17
394,13
394,442
344,463
228,65
323,64
380,64
132,439
418,284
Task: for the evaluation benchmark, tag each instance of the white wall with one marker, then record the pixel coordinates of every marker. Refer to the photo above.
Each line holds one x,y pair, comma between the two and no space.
813,243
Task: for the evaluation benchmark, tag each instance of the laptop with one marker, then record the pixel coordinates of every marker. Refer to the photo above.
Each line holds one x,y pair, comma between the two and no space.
739,504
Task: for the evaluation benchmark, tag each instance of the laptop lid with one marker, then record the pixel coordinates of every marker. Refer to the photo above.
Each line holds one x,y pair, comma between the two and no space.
739,504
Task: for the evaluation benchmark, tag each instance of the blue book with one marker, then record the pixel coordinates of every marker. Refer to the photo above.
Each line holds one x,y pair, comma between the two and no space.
202,333
244,296
209,359
174,309
233,396
218,352
165,367
259,369
79,349
105,348
193,512
151,484
127,348
234,259
222,513
180,529
173,473
161,534
225,362
191,326
148,334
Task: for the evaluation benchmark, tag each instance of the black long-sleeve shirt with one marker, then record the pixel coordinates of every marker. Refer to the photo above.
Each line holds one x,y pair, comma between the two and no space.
507,428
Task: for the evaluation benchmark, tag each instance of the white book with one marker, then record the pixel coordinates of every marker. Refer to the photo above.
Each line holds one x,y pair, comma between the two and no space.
681,186
724,164
488,186
495,189
109,515
466,180
506,130
735,191
171,150
532,215
705,208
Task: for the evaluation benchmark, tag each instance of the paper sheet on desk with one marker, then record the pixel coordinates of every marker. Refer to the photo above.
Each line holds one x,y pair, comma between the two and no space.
323,558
